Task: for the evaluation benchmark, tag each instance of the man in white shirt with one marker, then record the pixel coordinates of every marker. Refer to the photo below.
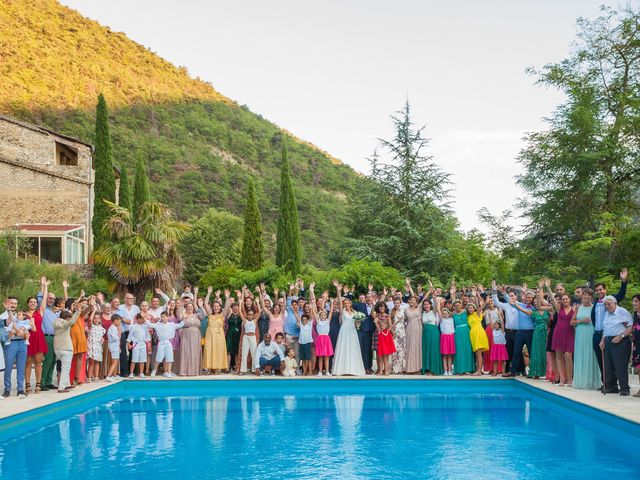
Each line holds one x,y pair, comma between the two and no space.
268,354
128,311
616,343
510,320
155,309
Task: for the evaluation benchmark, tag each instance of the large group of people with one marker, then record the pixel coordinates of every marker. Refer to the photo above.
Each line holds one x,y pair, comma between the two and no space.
582,340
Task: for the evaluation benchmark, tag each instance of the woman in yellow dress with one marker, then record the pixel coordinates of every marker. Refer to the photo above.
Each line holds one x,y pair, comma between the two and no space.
215,346
479,339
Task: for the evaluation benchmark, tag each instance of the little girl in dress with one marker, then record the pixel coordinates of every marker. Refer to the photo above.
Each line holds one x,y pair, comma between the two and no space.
290,363
113,339
447,338
324,348
499,348
386,347
94,347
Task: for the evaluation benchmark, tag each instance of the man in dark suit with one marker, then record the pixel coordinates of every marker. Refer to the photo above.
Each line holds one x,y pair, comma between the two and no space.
365,333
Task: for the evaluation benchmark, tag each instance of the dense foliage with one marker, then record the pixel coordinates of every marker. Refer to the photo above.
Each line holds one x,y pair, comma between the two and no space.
141,193
144,255
288,247
252,247
124,193
213,239
582,173
105,182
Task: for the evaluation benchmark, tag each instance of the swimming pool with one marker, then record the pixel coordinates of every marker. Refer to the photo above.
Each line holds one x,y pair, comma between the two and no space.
317,429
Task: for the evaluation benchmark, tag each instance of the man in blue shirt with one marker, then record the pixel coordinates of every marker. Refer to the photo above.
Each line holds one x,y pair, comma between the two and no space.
524,335
291,329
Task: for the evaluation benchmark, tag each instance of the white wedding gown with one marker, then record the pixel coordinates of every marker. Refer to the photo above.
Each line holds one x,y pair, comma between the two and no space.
348,359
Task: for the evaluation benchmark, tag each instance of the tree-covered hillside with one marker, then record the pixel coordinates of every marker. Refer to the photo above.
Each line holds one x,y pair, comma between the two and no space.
200,147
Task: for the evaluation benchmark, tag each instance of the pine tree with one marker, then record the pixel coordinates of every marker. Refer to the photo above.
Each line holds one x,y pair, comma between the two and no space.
124,197
140,189
252,246
104,187
288,245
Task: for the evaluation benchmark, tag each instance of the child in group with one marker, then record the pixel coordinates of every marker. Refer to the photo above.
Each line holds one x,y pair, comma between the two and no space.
447,337
324,348
290,363
94,347
305,341
386,346
499,348
20,325
113,343
137,341
165,331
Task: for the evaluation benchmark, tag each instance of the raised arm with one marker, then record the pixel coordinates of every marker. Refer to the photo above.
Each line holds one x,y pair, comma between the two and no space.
338,287
65,290
44,284
163,295
227,303
207,306
552,298
312,300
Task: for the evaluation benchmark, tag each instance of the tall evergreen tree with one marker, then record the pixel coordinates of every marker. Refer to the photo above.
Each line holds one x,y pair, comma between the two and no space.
140,189
288,245
252,246
104,187
124,197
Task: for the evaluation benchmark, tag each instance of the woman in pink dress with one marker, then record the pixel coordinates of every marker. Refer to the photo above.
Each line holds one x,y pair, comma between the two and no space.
190,354
276,318
564,338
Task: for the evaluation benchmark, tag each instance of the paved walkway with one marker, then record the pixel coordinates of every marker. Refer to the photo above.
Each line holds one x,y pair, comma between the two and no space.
625,407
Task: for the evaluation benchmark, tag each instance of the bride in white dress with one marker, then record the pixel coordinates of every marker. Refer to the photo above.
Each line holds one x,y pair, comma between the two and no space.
347,359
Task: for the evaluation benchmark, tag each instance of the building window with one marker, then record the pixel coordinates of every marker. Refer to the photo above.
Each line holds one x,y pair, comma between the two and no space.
55,243
66,155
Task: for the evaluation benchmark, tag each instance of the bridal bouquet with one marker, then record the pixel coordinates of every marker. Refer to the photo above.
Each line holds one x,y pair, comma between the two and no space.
358,318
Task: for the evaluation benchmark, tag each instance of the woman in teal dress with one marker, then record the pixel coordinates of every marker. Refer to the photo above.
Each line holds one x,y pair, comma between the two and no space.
538,353
463,359
586,375
431,359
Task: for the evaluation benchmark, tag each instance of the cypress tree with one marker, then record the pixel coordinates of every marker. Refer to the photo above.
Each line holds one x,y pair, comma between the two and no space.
124,198
140,188
252,246
104,187
288,245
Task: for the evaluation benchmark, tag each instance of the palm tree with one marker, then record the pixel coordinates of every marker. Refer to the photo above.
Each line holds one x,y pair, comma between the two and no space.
142,256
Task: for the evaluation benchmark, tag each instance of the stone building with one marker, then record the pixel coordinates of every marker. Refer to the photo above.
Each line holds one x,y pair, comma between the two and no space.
46,190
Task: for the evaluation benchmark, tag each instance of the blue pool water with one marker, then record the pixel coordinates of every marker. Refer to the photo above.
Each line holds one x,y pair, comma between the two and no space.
319,429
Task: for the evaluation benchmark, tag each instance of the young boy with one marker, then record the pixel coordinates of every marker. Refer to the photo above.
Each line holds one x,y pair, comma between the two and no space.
113,339
137,340
19,325
165,332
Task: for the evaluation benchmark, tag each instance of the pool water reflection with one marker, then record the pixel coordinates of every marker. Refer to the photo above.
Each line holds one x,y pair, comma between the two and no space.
298,435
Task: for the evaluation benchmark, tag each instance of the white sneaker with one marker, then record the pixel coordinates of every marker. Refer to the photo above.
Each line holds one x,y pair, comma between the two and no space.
153,373
109,379
142,375
167,375
131,375
319,374
172,374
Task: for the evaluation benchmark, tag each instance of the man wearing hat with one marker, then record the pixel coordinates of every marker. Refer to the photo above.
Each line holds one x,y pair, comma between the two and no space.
616,343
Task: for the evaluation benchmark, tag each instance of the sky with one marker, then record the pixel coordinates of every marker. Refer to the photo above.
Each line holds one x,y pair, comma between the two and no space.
333,71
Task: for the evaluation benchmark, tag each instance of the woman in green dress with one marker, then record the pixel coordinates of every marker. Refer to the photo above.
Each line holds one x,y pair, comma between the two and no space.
586,374
431,359
540,317
463,359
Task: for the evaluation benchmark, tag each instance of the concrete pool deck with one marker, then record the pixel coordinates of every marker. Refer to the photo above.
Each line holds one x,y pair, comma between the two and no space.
627,408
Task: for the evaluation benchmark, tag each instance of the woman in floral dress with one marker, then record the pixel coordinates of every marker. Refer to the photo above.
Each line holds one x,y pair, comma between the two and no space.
399,359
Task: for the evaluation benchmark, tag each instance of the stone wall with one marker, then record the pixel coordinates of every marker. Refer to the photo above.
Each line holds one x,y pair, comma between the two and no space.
28,196
38,148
